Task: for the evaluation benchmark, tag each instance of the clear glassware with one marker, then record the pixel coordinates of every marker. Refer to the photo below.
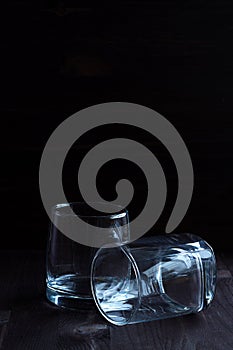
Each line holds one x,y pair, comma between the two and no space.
68,262
153,278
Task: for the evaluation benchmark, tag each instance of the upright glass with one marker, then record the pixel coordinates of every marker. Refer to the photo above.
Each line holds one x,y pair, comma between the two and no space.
153,278
68,262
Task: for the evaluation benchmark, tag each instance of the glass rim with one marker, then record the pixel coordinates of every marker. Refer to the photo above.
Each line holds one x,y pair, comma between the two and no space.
57,209
130,257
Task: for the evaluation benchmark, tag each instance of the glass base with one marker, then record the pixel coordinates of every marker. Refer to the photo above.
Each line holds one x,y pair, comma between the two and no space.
68,301
70,291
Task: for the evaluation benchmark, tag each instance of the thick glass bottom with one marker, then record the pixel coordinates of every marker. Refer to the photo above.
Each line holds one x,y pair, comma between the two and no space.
70,291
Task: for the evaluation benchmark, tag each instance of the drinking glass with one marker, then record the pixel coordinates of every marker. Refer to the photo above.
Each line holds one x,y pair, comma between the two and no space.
69,262
153,278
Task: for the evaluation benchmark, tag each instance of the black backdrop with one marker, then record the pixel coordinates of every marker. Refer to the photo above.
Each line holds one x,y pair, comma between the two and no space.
172,56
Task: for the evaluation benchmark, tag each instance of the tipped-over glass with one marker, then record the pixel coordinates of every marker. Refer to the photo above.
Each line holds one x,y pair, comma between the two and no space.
153,278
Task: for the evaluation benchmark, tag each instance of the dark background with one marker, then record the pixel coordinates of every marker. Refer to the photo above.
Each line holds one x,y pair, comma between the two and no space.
59,57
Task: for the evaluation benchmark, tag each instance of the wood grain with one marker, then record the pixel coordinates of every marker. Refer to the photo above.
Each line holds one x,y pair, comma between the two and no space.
4,319
38,325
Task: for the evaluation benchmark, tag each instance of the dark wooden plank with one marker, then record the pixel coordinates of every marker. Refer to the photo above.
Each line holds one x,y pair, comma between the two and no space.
4,319
227,259
38,325
224,269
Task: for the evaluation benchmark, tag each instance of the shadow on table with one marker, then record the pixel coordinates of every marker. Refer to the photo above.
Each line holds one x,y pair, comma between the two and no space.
40,325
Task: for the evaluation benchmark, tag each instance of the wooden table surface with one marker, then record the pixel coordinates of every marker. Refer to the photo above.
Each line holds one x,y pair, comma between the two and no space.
29,321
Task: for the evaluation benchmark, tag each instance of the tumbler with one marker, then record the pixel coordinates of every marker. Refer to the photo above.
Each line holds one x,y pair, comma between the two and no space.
153,278
69,262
